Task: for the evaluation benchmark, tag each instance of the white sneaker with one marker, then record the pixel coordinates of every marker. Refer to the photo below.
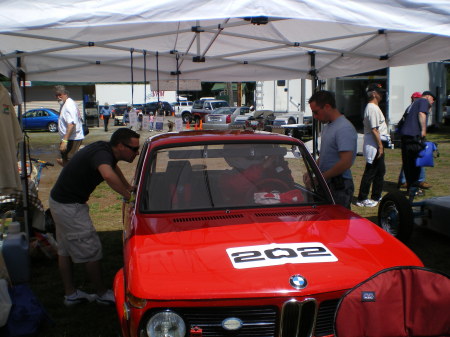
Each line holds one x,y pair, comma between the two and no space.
366,203
78,297
107,298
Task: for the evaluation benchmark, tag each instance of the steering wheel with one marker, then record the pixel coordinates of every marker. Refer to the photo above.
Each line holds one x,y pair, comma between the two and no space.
267,185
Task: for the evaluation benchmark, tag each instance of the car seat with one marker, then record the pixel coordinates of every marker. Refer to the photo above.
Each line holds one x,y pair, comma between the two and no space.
179,177
396,302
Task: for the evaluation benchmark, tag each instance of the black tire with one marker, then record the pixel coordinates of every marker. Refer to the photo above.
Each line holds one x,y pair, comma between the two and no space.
186,117
395,216
52,127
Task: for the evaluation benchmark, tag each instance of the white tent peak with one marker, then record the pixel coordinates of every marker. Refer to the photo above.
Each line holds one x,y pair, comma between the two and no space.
91,41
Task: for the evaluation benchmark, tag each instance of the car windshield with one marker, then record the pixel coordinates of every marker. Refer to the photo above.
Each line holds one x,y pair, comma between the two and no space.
217,105
224,111
228,176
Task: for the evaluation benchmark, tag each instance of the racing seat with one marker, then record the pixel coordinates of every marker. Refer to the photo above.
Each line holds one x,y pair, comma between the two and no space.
396,302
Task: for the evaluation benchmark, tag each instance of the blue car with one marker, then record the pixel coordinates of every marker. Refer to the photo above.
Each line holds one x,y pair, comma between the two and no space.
41,119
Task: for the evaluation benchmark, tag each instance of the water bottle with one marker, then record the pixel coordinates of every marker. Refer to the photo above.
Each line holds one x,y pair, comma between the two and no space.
15,253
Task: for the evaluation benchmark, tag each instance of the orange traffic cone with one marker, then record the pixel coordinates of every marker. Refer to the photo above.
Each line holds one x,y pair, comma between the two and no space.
196,126
201,125
188,125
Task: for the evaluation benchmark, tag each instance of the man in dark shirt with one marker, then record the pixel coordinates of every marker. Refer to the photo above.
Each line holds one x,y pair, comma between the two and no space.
412,133
77,238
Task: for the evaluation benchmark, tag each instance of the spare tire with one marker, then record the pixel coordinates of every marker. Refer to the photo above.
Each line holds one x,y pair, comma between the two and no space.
395,216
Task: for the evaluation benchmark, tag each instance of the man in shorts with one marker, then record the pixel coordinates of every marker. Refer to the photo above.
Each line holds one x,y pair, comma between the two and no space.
70,125
77,238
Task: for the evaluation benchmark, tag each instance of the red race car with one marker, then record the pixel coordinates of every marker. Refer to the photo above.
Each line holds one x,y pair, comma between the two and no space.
235,233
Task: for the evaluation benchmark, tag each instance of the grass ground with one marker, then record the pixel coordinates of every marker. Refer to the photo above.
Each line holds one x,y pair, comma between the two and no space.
99,321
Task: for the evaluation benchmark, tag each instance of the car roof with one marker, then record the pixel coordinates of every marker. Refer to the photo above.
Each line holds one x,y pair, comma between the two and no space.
219,137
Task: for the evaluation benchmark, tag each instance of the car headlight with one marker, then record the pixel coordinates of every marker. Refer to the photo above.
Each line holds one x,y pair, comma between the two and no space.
166,324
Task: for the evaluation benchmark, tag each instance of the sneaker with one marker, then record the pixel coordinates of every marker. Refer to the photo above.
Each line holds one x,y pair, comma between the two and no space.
366,203
78,297
107,298
419,192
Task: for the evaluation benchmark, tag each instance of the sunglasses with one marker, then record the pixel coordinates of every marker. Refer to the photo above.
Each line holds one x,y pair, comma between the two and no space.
132,148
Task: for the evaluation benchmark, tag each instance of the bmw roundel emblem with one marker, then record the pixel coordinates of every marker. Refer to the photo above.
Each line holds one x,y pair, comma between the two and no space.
298,282
232,324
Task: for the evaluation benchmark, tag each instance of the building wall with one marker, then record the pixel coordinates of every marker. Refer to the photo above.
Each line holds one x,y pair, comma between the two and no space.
403,81
44,97
114,93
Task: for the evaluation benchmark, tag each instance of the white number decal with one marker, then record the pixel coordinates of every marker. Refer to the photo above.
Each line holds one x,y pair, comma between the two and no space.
276,254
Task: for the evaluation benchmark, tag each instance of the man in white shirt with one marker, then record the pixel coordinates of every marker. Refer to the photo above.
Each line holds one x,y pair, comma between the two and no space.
375,128
70,125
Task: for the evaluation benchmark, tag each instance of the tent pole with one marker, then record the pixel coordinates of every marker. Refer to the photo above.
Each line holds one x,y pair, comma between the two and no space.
178,79
23,153
157,74
145,77
132,76
315,87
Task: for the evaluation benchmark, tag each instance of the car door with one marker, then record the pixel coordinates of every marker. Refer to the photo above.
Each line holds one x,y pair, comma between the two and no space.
41,119
29,120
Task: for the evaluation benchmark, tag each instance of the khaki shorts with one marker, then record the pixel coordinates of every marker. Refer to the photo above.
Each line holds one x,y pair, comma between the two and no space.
75,233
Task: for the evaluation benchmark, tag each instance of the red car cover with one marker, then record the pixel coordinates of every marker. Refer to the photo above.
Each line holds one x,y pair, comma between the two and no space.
396,302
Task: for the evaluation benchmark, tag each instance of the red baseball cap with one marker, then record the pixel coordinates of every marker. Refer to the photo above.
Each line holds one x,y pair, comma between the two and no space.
416,94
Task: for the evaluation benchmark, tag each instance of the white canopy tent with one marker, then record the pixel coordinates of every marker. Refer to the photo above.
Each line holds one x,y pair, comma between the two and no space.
217,40
92,41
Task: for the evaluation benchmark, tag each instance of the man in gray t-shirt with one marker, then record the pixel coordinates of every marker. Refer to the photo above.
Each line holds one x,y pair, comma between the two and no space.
337,147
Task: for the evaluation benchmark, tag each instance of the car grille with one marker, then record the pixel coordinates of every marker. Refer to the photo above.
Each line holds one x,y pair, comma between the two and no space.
298,319
257,321
325,318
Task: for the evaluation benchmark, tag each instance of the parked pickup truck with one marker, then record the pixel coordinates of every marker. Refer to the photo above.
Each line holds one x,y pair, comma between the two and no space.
202,107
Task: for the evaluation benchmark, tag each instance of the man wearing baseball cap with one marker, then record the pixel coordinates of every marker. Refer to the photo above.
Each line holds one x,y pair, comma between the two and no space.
375,128
401,178
413,130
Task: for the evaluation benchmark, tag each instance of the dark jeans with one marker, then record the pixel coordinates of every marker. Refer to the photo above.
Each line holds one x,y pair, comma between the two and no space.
342,191
410,150
373,175
105,122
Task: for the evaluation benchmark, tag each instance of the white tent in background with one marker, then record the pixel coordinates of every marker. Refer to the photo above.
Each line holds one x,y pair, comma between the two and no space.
211,40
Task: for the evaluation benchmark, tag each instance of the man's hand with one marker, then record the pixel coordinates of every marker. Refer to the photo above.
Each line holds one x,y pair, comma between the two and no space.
380,151
63,146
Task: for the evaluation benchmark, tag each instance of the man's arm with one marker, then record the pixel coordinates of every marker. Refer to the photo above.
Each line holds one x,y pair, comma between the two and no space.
122,178
115,181
376,135
423,123
344,163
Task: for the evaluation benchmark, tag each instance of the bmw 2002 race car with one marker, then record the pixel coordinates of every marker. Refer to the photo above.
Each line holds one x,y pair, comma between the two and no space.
235,233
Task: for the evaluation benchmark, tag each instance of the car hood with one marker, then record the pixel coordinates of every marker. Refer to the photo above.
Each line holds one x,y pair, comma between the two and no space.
248,254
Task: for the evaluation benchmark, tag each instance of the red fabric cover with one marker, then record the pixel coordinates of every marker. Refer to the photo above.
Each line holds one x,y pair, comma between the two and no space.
408,301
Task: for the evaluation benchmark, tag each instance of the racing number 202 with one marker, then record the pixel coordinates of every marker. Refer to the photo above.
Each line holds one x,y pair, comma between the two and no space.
279,253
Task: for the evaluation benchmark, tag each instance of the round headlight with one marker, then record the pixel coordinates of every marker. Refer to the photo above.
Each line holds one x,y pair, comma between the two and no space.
166,324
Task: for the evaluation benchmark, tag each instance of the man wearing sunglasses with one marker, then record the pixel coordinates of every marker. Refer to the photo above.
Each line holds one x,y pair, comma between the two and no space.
77,238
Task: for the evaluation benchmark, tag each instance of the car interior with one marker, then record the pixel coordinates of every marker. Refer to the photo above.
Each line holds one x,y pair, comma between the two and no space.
203,177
